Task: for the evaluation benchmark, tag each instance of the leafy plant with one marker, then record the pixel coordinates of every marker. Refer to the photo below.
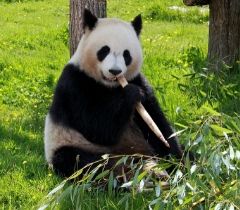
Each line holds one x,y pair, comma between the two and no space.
212,181
218,88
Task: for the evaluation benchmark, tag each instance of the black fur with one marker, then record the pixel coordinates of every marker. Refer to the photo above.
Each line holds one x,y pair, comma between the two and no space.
101,115
79,101
103,52
137,24
127,57
98,112
65,160
89,20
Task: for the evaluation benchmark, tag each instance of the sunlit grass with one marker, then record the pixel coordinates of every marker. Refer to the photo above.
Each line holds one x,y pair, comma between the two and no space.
33,50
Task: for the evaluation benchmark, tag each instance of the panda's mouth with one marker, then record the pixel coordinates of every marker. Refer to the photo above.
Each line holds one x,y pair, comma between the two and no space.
113,79
110,79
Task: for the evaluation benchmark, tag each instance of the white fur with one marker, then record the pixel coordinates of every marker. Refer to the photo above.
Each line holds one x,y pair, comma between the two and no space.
112,61
75,59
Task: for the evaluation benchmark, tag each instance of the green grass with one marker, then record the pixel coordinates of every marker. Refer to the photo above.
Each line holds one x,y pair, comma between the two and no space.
33,51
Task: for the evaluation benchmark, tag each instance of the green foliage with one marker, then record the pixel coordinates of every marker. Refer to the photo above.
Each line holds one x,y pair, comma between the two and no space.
175,13
30,57
210,181
220,89
103,184
204,109
193,57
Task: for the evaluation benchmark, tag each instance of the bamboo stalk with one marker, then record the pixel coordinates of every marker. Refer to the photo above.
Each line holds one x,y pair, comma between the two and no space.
144,114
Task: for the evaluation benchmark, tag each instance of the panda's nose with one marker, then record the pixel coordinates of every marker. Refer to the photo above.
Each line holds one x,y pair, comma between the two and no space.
115,72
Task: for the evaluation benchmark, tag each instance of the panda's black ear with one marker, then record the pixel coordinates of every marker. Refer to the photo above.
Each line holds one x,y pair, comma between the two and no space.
89,20
137,24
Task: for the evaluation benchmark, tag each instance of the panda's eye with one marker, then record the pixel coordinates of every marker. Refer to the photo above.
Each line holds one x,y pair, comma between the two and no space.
127,57
103,52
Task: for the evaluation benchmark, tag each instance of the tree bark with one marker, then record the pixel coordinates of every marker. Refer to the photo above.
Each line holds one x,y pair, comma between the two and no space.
196,2
224,33
97,7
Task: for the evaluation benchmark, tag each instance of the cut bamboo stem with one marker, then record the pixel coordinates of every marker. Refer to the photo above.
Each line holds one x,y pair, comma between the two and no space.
144,114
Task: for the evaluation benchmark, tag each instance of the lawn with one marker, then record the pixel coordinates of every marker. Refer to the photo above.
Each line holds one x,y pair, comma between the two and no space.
204,106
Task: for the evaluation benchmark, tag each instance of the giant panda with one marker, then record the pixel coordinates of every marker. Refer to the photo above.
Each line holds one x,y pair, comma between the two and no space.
91,114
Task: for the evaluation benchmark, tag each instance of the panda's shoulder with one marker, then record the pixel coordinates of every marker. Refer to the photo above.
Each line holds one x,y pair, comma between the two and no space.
70,71
72,75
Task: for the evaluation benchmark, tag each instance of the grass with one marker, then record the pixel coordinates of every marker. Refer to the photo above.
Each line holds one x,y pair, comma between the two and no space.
33,50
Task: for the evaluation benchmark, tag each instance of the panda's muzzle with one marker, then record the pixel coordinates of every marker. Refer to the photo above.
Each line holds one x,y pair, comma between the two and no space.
115,72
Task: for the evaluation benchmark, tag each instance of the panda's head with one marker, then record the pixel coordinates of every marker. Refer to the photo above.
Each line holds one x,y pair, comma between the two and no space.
109,48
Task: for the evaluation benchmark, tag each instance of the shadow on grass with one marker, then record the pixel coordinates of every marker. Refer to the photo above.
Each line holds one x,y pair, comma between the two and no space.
21,150
220,89
24,175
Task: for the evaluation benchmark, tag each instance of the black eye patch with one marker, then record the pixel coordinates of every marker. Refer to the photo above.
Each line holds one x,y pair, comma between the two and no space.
103,52
127,57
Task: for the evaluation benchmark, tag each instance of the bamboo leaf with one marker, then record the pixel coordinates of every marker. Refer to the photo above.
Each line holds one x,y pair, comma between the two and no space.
124,199
43,207
142,175
157,190
181,125
141,185
231,207
110,183
105,156
238,155
177,133
198,140
218,206
127,184
193,168
120,161
56,189
211,111
220,130
231,152
101,175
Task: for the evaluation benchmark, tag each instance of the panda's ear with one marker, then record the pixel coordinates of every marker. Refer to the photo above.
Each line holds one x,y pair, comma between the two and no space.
89,20
137,24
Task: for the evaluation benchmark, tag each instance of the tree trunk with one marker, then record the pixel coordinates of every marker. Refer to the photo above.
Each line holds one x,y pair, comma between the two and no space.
196,2
97,7
224,33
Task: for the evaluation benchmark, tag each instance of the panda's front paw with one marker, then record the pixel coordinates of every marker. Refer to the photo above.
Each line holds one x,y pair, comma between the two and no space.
133,93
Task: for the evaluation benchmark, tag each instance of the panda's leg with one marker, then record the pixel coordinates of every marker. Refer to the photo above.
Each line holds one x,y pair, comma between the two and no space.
68,159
